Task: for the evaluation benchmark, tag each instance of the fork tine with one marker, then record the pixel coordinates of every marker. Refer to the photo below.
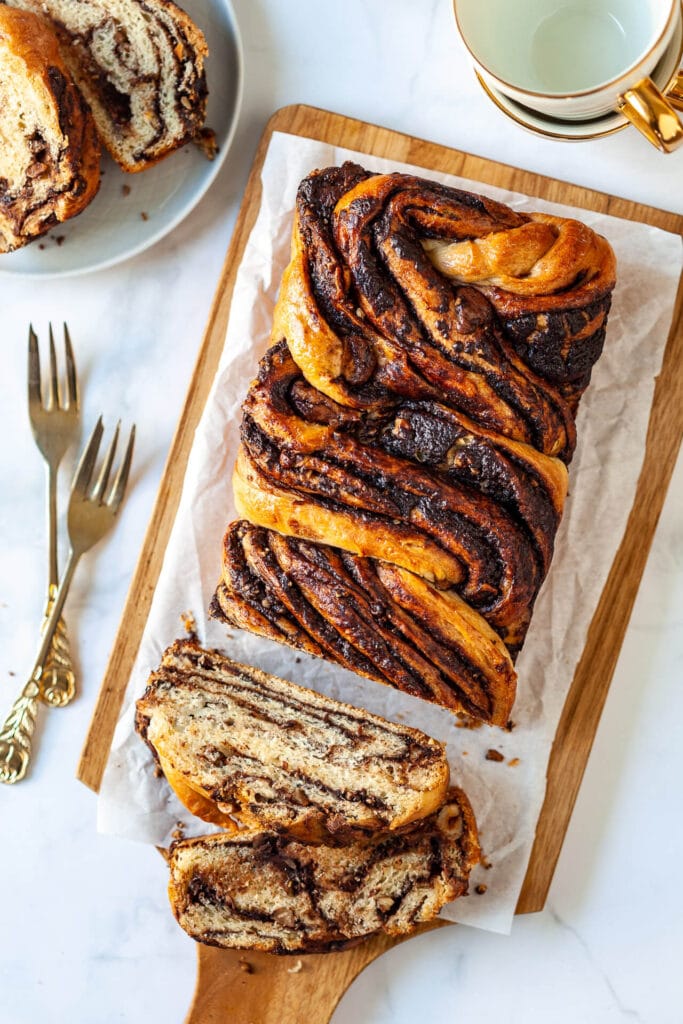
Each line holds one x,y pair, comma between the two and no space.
71,379
87,461
118,488
33,367
103,477
54,388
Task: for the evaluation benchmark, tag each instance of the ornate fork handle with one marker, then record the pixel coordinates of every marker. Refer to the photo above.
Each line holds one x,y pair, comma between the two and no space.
57,679
16,733
17,730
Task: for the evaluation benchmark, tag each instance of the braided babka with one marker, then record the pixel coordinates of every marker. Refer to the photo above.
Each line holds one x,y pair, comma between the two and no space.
240,746
140,66
49,153
258,890
402,471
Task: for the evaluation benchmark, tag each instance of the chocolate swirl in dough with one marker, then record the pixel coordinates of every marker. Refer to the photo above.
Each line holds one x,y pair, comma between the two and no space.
140,66
415,414
259,890
49,151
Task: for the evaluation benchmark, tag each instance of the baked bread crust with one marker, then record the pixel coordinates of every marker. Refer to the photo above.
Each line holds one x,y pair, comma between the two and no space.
49,163
240,746
262,891
140,66
415,413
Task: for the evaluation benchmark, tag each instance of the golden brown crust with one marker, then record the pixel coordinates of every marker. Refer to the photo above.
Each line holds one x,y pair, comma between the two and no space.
413,416
376,619
50,171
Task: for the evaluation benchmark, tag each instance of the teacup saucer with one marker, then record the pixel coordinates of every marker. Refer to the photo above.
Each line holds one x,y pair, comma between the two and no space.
663,76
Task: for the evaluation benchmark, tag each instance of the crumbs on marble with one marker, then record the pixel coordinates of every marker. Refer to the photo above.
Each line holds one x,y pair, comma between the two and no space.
510,725
125,190
297,660
10,672
295,968
145,216
494,755
480,889
513,762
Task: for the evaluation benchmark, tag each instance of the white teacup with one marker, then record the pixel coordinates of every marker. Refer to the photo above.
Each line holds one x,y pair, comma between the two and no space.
577,60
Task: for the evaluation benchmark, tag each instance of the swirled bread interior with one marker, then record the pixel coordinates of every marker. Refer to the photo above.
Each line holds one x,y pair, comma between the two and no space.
267,892
49,153
239,745
140,66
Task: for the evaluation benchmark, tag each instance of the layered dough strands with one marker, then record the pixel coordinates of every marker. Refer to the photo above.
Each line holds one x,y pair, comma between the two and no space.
140,65
267,892
49,153
240,747
402,472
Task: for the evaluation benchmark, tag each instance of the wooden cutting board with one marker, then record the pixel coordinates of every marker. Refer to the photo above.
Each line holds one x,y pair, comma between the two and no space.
268,991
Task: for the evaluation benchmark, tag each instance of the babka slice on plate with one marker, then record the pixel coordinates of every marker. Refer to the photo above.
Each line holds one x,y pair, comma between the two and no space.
49,151
140,66
258,890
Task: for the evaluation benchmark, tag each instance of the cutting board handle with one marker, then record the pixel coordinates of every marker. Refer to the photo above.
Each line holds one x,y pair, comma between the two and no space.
236,987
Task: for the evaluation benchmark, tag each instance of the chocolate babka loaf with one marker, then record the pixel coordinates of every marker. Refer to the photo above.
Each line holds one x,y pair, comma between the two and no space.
49,153
238,745
261,891
410,429
140,66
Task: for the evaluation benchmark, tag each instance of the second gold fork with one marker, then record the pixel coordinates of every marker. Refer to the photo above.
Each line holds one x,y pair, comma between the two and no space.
54,417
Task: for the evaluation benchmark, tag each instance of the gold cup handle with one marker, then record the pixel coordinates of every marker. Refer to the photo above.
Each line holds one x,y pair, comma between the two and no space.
675,93
653,114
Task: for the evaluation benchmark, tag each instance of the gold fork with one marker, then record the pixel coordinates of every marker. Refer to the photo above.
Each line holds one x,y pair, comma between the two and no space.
93,507
54,421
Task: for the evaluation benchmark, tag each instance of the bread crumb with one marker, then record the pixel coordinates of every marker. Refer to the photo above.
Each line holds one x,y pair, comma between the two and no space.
125,190
513,762
189,625
509,726
245,966
60,239
178,833
205,140
145,216
480,889
494,755
10,672
464,721
296,968
41,246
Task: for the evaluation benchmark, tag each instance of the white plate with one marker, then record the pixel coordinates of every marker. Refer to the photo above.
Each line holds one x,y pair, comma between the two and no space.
113,228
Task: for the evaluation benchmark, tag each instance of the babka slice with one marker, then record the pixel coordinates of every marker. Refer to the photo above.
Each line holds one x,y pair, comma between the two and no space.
49,152
140,65
266,892
236,743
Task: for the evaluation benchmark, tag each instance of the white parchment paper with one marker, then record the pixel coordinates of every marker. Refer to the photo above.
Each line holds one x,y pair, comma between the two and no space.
612,426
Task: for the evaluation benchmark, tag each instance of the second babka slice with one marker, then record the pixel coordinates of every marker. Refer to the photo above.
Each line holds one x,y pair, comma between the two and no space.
239,745
267,892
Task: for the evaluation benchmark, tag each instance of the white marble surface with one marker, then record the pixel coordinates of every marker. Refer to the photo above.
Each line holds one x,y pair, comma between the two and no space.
87,935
